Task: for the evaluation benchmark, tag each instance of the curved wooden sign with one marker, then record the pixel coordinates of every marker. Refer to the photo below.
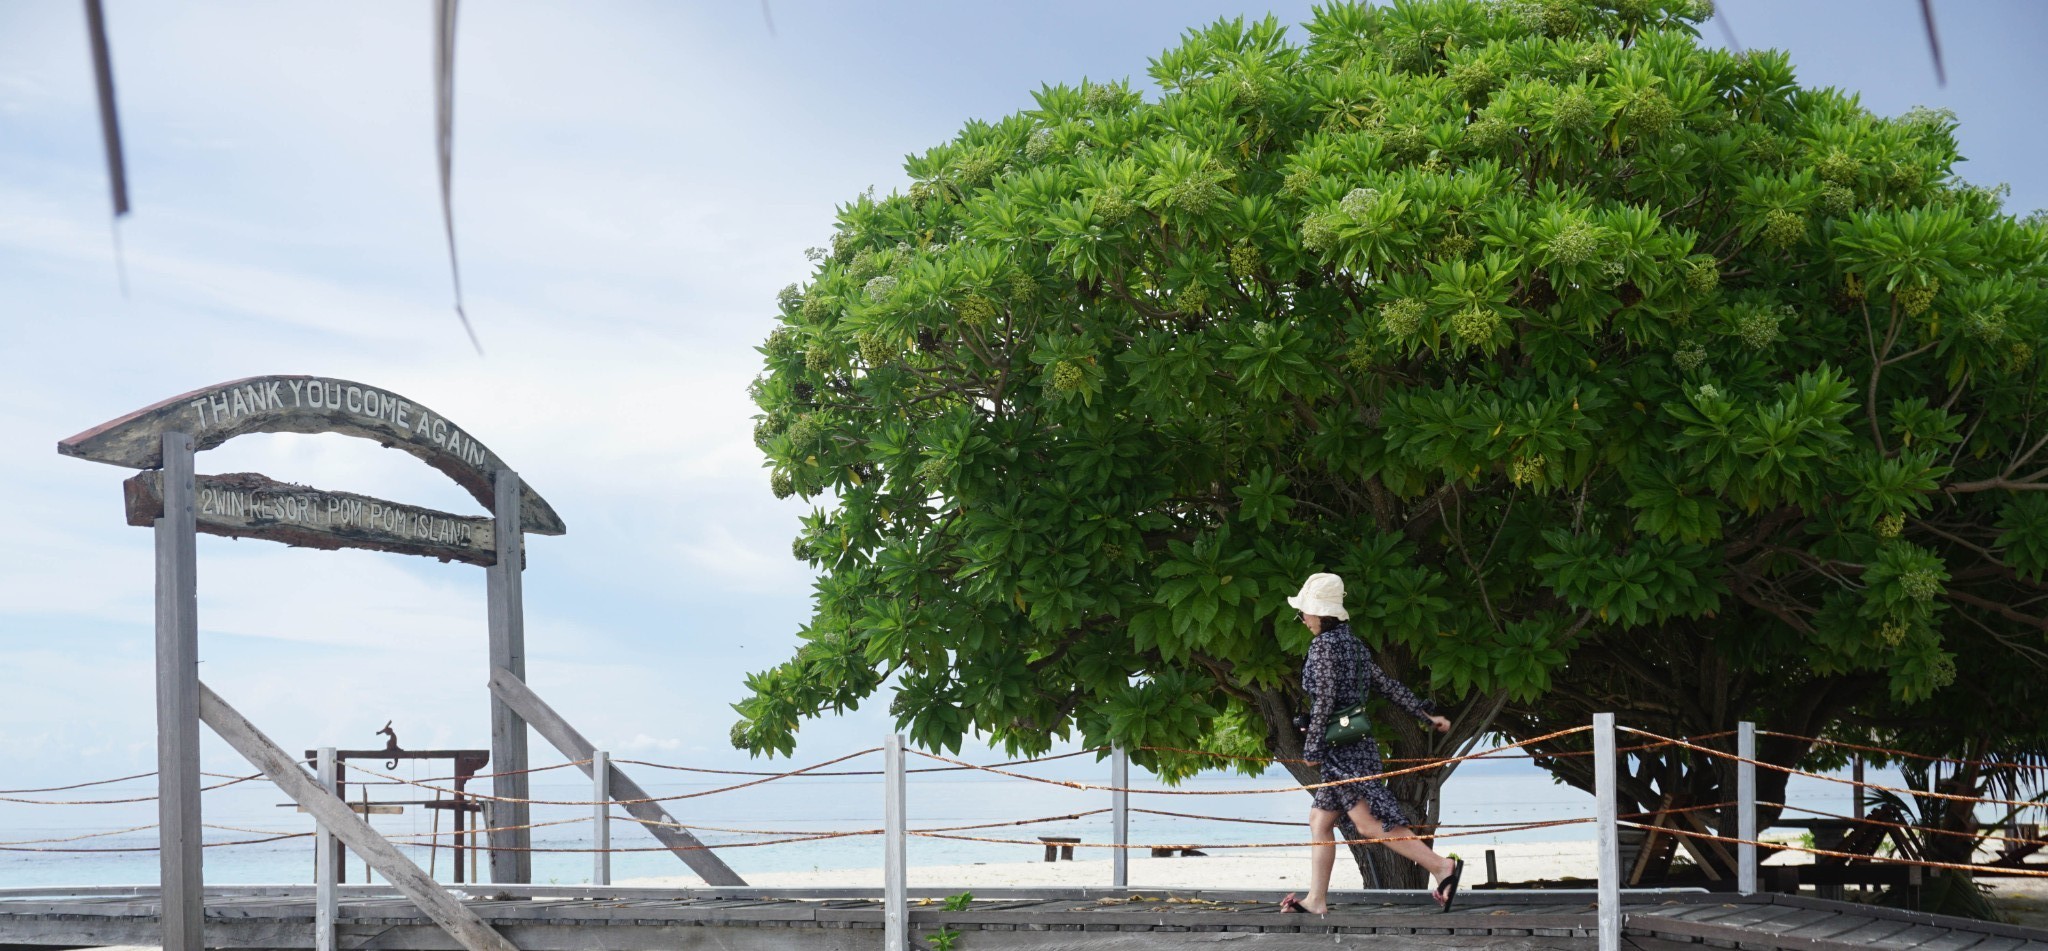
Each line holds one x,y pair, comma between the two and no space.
306,404
249,505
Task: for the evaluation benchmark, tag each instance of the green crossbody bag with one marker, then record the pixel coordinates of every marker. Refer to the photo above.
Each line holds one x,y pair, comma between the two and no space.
1350,725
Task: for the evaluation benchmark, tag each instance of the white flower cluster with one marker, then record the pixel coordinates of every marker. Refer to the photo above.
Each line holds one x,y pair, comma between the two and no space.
1359,201
881,287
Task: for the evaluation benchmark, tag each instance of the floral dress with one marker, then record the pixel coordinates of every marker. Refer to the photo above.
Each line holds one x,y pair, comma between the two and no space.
1338,666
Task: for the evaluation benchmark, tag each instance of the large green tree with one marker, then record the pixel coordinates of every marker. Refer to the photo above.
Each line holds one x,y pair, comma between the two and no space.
1610,371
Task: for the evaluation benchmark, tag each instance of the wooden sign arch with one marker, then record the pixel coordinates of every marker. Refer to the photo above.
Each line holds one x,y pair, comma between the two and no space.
177,502
308,404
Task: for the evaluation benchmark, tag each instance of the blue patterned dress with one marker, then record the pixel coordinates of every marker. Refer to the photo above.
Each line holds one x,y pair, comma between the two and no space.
1338,663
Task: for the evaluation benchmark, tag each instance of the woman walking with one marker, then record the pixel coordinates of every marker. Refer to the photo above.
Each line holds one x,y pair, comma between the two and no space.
1338,671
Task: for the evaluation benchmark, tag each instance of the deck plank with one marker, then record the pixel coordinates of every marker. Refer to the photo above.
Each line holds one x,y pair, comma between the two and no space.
1912,938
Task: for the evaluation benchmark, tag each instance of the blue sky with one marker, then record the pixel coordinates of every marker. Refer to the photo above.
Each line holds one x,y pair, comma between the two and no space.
634,181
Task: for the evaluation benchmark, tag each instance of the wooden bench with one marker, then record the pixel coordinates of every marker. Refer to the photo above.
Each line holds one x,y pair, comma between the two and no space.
1059,847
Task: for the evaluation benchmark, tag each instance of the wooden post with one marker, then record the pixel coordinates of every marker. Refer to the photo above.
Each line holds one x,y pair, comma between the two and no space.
177,702
895,912
528,705
1608,840
1857,790
1745,806
510,862
601,817
1120,816
335,815
325,860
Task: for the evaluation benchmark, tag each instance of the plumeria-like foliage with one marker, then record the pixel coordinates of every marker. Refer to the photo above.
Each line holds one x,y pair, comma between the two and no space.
1560,337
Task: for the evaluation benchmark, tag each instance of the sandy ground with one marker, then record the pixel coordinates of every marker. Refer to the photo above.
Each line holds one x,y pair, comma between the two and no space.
2023,900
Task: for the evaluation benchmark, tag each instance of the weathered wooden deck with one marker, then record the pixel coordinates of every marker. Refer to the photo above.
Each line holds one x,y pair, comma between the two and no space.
737,919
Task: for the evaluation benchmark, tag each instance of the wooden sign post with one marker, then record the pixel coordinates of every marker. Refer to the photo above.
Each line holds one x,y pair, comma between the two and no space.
177,503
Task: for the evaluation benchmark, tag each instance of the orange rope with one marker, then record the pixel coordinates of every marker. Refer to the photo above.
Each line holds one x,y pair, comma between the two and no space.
695,848
1847,782
152,848
857,772
1903,825
984,825
96,782
1982,764
443,779
111,802
1891,860
1260,845
80,838
1097,787
1409,759
625,802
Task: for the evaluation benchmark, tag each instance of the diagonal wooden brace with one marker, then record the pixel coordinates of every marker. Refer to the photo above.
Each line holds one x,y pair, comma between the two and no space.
514,693
445,909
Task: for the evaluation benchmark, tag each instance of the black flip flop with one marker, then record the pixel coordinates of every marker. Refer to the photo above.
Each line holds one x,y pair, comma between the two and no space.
1449,886
1292,906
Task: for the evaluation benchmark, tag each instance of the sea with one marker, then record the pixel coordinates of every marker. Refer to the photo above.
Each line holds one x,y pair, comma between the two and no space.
1490,791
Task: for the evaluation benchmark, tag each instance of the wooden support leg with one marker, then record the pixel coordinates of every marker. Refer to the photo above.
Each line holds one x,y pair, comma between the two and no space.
510,862
177,702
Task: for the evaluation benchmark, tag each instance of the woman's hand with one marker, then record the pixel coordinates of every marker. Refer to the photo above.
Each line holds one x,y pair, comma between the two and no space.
1442,725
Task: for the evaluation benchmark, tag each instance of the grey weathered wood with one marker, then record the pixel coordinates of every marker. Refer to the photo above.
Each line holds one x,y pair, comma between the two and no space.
520,698
177,700
895,917
326,862
304,404
1120,816
505,604
446,911
1745,808
1954,941
601,817
250,505
1916,937
252,920
1607,842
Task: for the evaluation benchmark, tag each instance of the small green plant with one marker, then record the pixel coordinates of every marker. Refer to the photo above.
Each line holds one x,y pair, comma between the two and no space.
944,938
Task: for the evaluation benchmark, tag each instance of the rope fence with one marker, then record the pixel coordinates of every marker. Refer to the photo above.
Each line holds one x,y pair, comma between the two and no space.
1651,822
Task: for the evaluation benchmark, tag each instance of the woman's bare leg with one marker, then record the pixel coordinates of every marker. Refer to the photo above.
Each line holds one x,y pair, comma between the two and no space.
1414,850
1322,856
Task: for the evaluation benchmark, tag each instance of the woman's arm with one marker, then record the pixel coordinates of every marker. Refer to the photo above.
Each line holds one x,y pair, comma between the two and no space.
1318,677
1378,681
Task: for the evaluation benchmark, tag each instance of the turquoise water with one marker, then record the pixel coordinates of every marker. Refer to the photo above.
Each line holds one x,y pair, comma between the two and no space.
1507,790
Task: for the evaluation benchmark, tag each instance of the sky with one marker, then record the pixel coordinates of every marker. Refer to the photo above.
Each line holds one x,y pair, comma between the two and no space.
633,184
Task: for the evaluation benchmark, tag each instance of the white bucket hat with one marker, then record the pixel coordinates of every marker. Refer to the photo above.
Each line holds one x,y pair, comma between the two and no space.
1321,595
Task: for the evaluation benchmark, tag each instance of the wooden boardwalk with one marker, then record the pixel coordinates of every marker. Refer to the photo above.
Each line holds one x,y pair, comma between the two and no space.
742,919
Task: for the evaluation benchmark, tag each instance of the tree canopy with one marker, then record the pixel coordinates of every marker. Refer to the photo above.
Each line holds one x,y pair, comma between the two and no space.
1610,371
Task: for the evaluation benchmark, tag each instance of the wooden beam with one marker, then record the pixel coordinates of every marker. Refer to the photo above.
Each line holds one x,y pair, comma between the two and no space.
305,404
326,861
461,923
177,702
251,505
505,603
514,692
